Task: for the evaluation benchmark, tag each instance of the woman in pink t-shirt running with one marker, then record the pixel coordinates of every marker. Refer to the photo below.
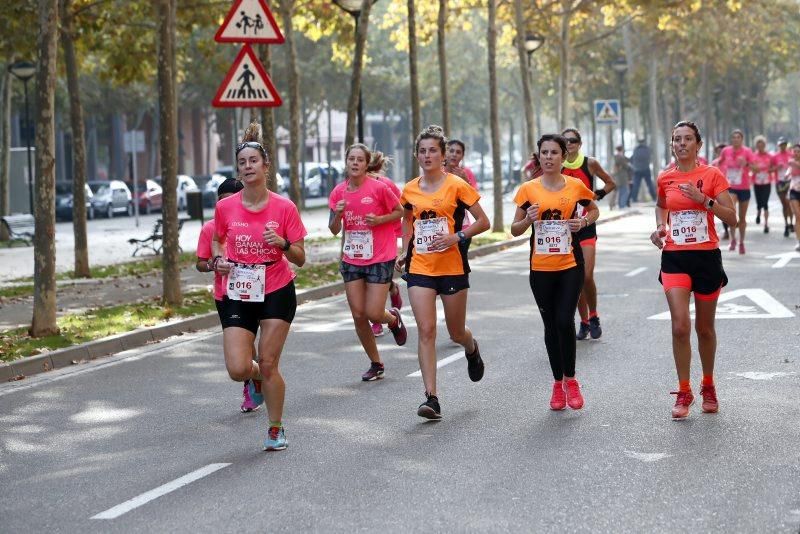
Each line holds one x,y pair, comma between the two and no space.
736,163
365,209
257,233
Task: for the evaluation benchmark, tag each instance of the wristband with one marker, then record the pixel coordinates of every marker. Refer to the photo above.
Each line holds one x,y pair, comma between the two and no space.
214,262
600,193
287,246
209,265
585,221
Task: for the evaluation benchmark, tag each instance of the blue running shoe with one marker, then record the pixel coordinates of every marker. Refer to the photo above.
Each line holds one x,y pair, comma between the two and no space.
254,388
276,439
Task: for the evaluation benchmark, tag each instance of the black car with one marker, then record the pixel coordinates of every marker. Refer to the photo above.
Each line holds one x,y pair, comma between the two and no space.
64,201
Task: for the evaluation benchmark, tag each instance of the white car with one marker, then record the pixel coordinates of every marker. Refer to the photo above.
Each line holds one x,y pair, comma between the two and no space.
186,184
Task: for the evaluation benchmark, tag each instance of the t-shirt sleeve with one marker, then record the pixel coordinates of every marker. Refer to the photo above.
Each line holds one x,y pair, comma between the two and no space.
336,195
660,191
584,194
295,230
404,200
204,242
471,178
466,194
220,224
389,198
719,183
521,199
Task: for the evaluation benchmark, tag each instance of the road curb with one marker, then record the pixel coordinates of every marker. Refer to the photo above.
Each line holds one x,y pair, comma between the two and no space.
92,350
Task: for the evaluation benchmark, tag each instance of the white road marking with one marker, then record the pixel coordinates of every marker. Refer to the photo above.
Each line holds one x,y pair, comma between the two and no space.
759,375
441,363
647,457
770,308
634,272
148,496
783,259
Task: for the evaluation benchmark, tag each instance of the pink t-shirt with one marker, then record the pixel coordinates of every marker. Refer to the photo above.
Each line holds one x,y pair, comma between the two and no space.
781,161
398,224
734,165
372,197
474,183
204,252
242,232
763,162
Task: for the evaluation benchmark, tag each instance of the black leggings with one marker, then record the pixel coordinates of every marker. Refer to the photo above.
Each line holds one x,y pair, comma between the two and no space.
556,293
762,195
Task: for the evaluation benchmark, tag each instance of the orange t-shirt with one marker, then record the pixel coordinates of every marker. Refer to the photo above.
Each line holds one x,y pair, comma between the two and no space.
448,205
711,182
554,206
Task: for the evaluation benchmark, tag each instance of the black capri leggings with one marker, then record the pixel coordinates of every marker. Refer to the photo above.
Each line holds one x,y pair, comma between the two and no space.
762,195
556,293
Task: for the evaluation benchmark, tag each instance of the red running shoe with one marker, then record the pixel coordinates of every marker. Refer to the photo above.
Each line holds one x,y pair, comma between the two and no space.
558,401
741,248
682,403
709,394
396,298
732,246
574,397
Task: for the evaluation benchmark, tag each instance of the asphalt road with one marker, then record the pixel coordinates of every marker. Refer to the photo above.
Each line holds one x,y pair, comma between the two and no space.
79,442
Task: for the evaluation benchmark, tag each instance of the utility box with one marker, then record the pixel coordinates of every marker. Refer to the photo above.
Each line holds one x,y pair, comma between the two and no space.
194,205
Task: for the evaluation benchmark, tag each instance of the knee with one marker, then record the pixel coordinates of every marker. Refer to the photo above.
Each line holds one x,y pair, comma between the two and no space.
458,336
240,372
426,333
359,314
681,330
376,315
268,365
705,332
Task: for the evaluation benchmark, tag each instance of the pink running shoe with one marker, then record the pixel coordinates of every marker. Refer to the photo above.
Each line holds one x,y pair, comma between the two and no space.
682,403
574,397
377,329
732,246
248,404
558,401
741,248
396,298
710,402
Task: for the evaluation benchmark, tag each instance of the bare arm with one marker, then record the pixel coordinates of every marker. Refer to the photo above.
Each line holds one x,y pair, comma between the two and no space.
523,219
609,184
408,215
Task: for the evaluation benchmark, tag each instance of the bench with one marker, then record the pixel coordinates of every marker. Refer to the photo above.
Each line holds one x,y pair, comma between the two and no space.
154,240
20,227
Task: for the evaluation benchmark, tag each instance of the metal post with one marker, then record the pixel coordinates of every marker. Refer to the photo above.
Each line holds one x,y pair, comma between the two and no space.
356,15
622,110
28,140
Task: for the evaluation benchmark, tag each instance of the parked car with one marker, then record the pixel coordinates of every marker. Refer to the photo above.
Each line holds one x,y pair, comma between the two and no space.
150,198
64,201
110,197
317,182
185,185
226,171
210,190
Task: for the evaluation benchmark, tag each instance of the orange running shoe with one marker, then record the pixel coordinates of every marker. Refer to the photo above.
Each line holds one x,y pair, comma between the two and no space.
709,394
574,397
682,403
558,401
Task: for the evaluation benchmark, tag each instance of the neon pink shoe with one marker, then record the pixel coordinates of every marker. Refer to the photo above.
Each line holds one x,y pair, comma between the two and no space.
248,404
741,248
558,401
682,403
732,246
574,397
377,329
395,298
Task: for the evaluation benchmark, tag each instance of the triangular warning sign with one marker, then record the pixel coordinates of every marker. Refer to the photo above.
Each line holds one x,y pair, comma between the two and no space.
754,304
249,21
607,112
247,84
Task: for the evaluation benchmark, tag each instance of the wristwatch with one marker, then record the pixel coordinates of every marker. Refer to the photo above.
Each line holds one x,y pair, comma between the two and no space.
287,245
710,203
461,237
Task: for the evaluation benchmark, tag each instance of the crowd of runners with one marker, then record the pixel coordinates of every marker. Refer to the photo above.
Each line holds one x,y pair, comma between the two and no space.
256,234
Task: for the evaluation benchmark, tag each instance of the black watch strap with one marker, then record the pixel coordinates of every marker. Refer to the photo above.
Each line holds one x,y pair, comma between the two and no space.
287,246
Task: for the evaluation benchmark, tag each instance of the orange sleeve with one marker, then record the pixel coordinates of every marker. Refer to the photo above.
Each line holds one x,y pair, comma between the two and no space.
466,194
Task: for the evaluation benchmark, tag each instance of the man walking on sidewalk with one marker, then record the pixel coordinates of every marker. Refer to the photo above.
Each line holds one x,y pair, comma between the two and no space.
640,161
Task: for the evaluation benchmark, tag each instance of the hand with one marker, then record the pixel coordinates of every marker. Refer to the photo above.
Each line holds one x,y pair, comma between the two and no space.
443,242
399,264
576,224
271,238
340,207
692,193
373,220
657,237
458,171
532,213
223,267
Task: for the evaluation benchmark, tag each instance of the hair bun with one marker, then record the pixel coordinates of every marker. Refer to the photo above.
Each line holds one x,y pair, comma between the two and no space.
434,129
252,133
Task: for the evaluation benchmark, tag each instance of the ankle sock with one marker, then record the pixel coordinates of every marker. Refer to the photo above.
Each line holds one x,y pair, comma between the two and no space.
684,385
592,314
708,380
275,423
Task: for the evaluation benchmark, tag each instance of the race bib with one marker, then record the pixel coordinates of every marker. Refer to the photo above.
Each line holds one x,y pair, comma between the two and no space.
247,282
426,230
762,178
689,227
735,176
358,244
552,237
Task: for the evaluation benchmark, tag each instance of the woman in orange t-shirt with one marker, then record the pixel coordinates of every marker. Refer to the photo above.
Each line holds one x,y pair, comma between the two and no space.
689,197
550,204
435,204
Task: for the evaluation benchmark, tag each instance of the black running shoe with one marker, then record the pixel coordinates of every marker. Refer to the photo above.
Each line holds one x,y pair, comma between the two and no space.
583,331
786,231
758,218
594,327
474,364
430,408
766,229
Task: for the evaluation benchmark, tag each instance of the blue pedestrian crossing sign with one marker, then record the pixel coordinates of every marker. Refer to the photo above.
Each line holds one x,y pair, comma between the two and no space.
606,111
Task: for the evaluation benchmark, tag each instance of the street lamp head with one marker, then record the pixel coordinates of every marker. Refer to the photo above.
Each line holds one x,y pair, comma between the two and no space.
620,65
351,6
23,70
533,42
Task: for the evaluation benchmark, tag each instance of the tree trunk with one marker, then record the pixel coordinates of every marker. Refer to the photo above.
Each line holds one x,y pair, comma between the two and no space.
563,76
295,192
168,140
442,49
655,120
358,67
43,322
78,145
5,148
416,113
524,69
268,125
494,119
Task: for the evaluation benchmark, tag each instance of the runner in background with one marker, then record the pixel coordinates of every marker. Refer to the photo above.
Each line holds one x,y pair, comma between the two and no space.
734,162
550,204
585,168
763,167
780,162
376,169
365,209
257,233
455,155
715,162
793,173
434,265
251,397
532,169
689,197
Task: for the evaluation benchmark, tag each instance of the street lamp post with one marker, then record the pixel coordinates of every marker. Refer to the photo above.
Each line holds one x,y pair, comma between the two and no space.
354,8
620,66
533,42
24,71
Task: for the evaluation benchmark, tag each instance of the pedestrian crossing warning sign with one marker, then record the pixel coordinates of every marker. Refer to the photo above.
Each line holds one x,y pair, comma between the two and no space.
249,21
247,84
606,111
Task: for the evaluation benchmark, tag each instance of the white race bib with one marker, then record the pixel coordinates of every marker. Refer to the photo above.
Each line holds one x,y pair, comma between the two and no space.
247,282
735,176
552,237
689,227
426,230
358,244
762,178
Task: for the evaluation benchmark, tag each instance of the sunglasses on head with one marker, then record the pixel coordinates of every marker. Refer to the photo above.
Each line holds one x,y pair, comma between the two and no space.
572,140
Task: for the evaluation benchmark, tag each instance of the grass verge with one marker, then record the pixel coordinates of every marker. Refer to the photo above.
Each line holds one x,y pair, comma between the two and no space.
487,238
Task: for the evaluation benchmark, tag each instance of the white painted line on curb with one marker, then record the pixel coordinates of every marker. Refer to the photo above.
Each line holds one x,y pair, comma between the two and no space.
441,363
634,272
148,496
